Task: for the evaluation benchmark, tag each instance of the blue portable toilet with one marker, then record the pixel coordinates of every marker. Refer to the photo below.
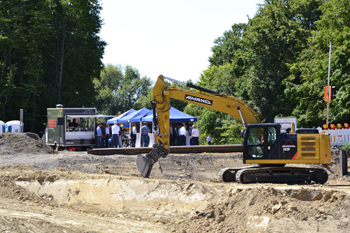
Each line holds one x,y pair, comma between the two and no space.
14,127
8,128
2,127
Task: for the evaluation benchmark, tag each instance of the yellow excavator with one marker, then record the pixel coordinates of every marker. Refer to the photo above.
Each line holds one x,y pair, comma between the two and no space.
273,154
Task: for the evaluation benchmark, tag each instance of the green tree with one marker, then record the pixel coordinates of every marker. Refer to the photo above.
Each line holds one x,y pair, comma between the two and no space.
107,87
121,89
77,50
310,72
227,45
133,87
24,28
275,37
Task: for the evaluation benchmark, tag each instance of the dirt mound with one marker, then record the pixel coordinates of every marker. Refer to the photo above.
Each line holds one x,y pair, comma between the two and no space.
9,189
263,209
32,135
17,143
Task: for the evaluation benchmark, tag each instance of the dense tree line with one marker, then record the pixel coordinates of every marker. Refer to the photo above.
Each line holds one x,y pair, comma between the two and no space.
278,64
50,53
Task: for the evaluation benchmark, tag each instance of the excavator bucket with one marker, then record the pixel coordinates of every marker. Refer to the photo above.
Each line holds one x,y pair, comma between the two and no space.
144,164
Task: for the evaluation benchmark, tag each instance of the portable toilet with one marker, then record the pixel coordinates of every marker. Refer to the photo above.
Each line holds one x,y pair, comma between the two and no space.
2,127
14,127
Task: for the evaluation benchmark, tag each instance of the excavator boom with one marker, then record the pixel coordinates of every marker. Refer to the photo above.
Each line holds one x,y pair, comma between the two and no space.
203,97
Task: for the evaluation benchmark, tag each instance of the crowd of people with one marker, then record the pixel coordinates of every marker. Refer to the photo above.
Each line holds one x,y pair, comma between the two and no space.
179,135
116,133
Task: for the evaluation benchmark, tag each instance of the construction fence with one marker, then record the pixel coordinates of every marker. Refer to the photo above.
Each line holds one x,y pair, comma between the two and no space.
338,137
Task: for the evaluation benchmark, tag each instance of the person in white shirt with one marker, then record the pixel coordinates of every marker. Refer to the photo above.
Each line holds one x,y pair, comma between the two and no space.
99,135
195,135
209,140
133,135
115,135
182,134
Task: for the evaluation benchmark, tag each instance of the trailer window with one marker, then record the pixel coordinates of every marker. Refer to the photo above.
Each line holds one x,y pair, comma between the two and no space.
84,124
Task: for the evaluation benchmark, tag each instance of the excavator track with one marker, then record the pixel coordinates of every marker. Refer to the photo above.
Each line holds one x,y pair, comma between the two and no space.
256,174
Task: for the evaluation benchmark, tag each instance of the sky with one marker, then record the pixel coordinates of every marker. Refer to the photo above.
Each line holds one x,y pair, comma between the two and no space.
172,38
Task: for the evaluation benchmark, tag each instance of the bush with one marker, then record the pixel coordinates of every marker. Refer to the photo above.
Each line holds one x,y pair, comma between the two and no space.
346,147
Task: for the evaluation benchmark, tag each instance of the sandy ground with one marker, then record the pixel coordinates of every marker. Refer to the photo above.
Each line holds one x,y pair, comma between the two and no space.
43,191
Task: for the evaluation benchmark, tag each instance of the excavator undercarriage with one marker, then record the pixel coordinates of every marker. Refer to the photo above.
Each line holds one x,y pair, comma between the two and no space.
274,174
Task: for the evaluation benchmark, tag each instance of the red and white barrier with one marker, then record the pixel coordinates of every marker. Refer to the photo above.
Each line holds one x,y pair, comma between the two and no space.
338,137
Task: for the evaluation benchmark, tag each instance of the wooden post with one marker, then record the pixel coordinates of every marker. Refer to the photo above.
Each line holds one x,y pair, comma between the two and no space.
343,159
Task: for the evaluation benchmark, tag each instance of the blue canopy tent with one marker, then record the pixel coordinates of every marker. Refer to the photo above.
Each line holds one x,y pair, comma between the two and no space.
139,117
136,115
175,116
145,115
112,120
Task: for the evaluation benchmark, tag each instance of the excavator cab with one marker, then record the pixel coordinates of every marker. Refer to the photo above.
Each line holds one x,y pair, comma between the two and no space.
261,142
264,145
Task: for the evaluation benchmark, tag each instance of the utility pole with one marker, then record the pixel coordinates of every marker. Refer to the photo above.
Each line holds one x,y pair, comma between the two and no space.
21,125
329,74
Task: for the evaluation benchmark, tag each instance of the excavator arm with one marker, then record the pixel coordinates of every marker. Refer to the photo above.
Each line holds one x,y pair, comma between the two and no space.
203,97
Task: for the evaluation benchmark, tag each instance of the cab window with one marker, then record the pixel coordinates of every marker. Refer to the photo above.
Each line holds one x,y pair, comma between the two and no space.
255,136
255,142
271,136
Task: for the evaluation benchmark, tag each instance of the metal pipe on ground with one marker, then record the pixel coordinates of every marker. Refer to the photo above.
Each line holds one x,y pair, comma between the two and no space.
173,150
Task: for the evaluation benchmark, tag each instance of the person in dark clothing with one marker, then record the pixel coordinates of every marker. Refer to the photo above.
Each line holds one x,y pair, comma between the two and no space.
103,134
107,136
172,135
74,123
144,134
177,134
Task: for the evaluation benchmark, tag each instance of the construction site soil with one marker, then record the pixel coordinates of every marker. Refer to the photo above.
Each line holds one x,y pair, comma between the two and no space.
46,191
